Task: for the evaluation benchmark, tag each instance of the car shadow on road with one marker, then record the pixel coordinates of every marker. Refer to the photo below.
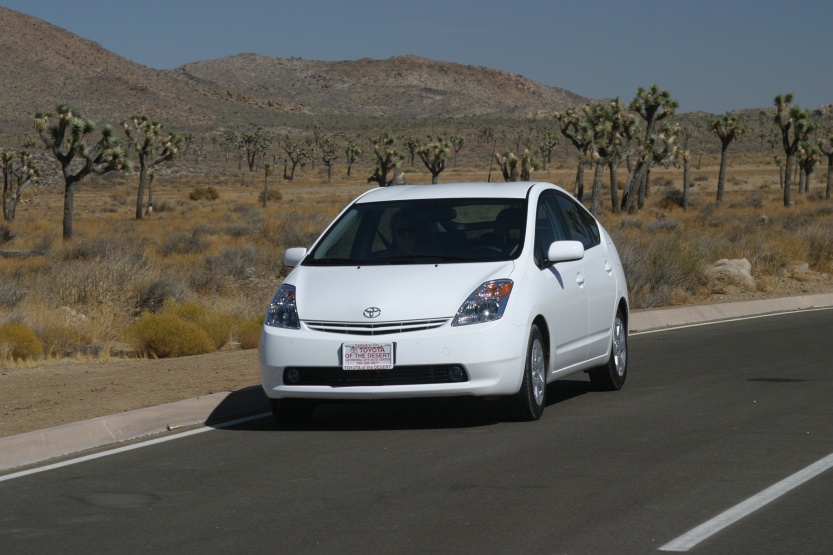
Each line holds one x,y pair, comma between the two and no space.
388,414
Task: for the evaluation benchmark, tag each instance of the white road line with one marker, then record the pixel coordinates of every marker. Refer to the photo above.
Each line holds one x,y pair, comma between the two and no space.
117,450
729,517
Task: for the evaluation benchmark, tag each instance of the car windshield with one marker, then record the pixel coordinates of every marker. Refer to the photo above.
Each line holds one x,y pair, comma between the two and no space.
424,232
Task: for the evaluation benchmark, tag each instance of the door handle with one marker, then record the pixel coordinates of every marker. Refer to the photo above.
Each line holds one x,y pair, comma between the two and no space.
580,279
608,267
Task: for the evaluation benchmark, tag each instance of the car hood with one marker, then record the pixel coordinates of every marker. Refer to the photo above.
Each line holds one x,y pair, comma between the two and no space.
400,292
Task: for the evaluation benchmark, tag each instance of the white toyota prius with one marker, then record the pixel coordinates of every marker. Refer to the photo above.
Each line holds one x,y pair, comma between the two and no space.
484,289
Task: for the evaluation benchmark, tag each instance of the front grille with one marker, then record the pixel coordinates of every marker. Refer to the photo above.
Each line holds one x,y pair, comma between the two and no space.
376,328
399,375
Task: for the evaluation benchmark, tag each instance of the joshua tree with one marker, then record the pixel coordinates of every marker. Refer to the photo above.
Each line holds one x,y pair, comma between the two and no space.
827,149
352,152
19,171
457,144
254,144
267,171
412,145
574,126
728,128
329,154
144,137
298,151
388,159
611,128
67,140
653,106
546,144
508,163
685,158
434,155
528,164
808,155
795,126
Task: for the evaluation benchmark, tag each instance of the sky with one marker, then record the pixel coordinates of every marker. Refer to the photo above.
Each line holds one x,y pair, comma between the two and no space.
712,55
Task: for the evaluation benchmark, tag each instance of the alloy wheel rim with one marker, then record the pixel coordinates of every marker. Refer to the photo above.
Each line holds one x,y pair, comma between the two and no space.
620,347
538,371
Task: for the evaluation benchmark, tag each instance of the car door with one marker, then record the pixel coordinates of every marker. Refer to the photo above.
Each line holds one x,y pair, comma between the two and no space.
600,280
566,285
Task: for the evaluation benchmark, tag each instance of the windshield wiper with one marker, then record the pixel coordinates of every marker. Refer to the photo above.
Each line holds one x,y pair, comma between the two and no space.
334,262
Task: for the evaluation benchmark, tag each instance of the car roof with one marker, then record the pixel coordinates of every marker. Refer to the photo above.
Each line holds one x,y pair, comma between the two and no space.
519,189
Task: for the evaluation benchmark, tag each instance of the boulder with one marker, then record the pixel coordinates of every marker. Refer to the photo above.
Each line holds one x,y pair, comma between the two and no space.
730,276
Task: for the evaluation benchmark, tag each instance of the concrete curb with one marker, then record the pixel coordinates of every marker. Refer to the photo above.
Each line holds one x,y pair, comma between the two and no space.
645,320
40,445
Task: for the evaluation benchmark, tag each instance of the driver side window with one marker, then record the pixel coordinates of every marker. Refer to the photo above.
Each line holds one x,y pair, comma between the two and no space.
548,227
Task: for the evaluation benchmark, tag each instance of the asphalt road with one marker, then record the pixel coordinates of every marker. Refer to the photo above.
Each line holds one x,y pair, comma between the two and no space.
711,416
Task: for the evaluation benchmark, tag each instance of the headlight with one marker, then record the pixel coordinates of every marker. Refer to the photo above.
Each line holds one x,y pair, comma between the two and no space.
486,304
282,312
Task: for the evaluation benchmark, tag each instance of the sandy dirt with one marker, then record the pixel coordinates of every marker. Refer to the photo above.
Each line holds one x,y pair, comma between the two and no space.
57,393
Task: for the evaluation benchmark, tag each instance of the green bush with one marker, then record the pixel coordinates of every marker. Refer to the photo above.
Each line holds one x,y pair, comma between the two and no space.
204,193
166,335
272,195
248,332
60,340
19,342
217,326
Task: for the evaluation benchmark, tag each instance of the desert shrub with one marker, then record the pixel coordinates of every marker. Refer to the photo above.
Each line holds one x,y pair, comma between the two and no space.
11,293
166,335
248,332
217,326
204,193
96,273
247,211
659,267
19,342
180,243
232,262
163,206
819,240
241,230
59,340
673,198
295,228
98,248
634,223
6,234
665,224
153,295
273,194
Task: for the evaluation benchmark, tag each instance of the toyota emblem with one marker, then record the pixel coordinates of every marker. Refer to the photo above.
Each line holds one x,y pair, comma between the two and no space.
372,312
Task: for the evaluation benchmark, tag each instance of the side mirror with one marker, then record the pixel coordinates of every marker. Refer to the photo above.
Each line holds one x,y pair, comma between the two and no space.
565,251
292,257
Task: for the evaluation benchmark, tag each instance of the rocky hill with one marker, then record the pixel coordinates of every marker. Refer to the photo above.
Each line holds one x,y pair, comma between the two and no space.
402,86
43,65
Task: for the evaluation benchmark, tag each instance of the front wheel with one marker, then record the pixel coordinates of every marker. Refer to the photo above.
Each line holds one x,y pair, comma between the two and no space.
611,376
529,402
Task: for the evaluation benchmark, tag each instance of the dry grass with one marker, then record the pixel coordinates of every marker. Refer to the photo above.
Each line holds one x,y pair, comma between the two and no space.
225,255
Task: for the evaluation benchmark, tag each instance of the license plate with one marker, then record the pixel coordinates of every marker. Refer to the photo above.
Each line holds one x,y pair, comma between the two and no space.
367,356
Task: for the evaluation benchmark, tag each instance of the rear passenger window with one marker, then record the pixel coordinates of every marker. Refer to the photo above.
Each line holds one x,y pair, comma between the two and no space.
580,225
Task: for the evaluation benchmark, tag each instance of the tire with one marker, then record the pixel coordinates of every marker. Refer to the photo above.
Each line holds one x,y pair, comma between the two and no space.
611,376
529,402
292,411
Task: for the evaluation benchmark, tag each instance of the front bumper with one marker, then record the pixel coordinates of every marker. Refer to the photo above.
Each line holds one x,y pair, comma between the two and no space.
492,355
